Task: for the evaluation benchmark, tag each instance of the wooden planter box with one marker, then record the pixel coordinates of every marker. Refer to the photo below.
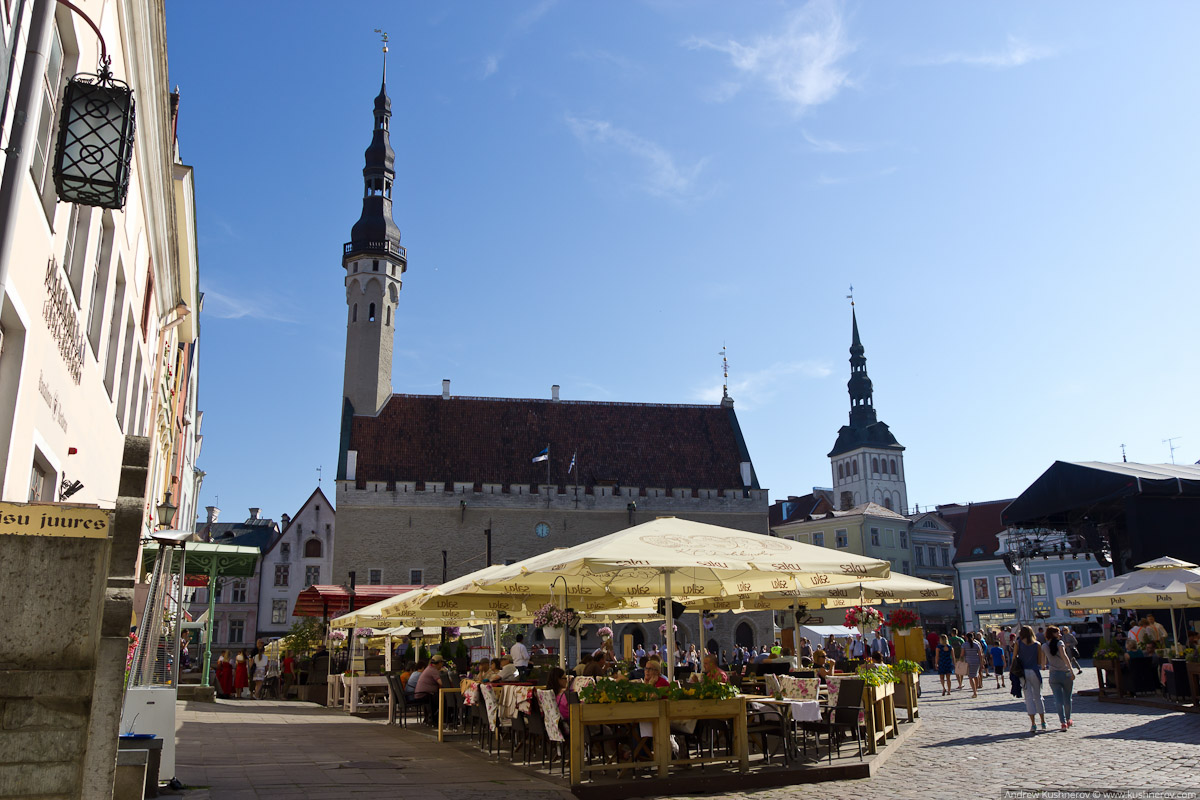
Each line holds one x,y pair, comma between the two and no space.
880,709
1193,672
906,694
1110,684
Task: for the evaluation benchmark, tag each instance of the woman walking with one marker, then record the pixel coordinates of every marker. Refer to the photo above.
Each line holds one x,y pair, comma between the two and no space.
1033,659
973,655
1062,677
241,678
945,662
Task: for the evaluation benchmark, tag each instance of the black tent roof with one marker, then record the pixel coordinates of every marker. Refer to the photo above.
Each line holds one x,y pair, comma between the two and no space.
1073,485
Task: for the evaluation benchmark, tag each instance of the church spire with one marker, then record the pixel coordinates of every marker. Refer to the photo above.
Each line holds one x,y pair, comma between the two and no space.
862,403
376,232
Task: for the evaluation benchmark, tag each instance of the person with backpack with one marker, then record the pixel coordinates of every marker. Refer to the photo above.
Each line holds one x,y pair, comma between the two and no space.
1000,662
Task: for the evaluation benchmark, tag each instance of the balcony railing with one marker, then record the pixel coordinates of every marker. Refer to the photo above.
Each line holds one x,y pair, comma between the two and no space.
382,246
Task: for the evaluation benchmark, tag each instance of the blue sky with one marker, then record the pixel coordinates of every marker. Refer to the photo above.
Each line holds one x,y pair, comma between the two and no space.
601,194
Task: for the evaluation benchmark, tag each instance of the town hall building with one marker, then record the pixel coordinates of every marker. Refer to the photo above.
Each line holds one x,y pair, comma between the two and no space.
434,486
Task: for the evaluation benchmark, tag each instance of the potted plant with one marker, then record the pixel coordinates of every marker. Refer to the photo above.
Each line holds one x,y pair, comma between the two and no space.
605,633
902,619
552,619
864,618
908,675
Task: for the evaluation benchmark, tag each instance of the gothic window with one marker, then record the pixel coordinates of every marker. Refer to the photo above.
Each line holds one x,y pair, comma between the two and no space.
874,465
840,472
388,316
887,503
371,313
893,466
855,467
354,313
312,548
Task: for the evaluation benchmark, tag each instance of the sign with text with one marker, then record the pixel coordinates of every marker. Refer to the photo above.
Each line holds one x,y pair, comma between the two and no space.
45,519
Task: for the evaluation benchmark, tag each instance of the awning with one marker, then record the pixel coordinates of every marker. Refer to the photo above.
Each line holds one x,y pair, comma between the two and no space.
1071,485
207,558
331,601
818,633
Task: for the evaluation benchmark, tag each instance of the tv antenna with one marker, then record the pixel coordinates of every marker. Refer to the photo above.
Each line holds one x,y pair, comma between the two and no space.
724,369
1170,443
1123,458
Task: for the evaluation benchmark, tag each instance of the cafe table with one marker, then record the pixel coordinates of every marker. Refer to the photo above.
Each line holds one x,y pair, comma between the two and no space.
442,692
355,682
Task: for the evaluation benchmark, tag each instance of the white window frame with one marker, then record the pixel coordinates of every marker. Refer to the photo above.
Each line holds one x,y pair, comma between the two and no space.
1004,580
279,605
1045,587
986,585
241,633
889,537
819,538
1078,584
875,537
284,569
842,538
309,571
372,574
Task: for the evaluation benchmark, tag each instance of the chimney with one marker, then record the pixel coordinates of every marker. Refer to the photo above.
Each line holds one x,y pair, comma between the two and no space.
445,388
213,513
284,519
554,392
254,512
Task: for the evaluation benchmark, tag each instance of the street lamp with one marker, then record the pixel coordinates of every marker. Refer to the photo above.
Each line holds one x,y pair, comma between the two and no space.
95,140
166,512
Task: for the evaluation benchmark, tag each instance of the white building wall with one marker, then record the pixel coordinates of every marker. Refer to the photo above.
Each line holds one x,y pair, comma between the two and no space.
314,522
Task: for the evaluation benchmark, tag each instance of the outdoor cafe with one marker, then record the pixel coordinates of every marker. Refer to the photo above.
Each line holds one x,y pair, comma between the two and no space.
612,719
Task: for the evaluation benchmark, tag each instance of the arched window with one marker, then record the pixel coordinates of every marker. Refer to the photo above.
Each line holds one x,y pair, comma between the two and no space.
312,548
354,313
840,476
874,461
371,313
743,635
887,503
387,316
883,466
893,466
855,467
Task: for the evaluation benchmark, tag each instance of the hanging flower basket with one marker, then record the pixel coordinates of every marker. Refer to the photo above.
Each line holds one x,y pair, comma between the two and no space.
552,632
902,619
337,636
663,628
605,633
863,617
552,616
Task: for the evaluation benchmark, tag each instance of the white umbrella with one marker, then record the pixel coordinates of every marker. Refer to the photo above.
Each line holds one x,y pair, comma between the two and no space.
1162,583
675,558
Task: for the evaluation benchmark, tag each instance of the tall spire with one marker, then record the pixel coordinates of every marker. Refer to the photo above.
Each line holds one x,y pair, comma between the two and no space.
376,232
862,405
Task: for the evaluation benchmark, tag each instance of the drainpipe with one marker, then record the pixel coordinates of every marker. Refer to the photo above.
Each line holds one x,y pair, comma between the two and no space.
20,140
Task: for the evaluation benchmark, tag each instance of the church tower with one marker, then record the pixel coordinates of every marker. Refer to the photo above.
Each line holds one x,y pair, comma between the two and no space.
375,263
867,462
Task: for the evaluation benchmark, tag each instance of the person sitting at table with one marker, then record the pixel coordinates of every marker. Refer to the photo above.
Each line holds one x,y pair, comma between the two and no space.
654,676
410,685
493,670
820,664
406,673
712,670
596,667
508,670
556,681
429,681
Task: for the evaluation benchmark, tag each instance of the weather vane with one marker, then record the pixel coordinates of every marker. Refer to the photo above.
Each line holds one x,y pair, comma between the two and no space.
850,296
725,368
383,35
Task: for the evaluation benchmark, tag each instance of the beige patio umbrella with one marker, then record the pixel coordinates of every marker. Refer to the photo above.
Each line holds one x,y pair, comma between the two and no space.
680,559
1162,583
896,588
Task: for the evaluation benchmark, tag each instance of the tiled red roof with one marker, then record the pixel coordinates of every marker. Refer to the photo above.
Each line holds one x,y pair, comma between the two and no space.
426,438
319,600
983,523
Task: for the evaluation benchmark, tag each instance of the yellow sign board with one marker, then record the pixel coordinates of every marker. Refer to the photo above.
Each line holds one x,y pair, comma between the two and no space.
45,519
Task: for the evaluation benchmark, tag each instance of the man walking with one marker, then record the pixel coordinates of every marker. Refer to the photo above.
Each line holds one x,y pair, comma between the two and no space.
520,655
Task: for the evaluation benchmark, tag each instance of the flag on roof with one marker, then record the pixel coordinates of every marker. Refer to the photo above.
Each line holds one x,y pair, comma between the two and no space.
542,456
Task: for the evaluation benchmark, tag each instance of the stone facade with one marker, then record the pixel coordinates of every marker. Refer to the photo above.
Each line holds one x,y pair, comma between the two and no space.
300,556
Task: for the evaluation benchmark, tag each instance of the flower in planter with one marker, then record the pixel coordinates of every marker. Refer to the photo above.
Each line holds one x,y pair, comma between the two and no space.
552,616
901,619
863,617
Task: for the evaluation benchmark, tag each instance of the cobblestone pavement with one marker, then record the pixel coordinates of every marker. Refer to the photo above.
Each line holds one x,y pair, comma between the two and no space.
964,748
969,748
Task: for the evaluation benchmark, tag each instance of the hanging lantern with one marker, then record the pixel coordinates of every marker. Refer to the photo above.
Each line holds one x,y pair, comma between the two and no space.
95,141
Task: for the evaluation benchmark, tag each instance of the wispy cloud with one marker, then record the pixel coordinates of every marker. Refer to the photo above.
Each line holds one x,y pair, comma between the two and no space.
756,388
530,16
839,180
490,65
664,176
226,306
831,146
1018,52
802,64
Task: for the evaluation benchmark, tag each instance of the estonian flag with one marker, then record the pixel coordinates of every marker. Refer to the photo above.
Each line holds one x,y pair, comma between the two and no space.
542,456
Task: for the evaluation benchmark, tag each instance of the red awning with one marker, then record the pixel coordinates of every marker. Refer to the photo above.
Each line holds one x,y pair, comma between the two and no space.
332,601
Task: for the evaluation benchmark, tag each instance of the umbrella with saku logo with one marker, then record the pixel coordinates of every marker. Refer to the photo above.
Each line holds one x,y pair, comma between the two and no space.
1162,583
678,559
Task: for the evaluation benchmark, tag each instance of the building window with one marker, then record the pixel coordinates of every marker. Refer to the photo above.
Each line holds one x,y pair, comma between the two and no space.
875,465
285,551
843,538
1097,576
1073,580
312,576
905,568
904,539
51,84
945,556
41,485
1037,585
371,313
875,537
887,503
819,538
840,475
328,528
1003,587
893,466
801,537
416,577
374,577
237,629
281,574
217,591
981,588
919,555
889,537
312,548
855,465
278,612
238,593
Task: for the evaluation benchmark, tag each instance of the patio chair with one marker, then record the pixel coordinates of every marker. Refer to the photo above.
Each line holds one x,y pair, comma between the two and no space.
549,724
844,712
766,724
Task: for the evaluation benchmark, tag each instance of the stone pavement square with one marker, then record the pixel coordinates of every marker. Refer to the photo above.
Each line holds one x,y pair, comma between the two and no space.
964,747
